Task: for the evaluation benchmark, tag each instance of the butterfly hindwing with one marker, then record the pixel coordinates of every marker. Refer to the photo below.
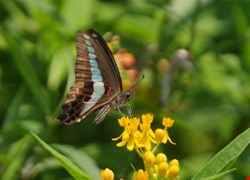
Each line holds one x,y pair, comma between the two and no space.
98,80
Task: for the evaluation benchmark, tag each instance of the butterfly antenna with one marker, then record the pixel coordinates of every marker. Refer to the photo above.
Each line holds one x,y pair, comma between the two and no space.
137,82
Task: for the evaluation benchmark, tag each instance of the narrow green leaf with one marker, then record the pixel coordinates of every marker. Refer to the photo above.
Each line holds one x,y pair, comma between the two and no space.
224,159
84,161
75,171
218,176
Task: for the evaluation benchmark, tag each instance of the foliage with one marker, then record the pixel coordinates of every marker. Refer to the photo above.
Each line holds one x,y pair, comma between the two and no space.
216,168
204,88
76,172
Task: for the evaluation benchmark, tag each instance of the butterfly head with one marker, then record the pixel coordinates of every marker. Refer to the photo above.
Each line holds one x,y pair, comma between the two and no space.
122,99
128,95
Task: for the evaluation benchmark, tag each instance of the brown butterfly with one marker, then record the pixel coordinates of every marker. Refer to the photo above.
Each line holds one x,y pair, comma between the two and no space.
98,83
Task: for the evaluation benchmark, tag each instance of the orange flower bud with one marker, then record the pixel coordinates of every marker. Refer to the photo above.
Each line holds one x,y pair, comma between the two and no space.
160,157
149,159
174,162
107,174
159,135
162,169
173,171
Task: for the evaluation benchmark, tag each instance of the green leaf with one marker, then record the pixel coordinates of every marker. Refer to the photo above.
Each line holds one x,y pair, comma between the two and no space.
218,176
75,171
81,159
224,160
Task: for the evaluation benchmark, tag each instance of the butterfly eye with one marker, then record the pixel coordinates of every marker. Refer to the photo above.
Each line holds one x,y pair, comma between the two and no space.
128,95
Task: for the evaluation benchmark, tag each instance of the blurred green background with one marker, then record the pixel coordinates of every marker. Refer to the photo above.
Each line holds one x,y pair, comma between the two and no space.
209,102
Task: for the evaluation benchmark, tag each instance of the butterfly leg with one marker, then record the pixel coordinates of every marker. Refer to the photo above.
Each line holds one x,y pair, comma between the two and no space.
102,114
119,110
129,110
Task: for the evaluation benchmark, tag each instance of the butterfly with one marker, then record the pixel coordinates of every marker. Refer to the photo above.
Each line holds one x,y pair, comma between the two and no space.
98,83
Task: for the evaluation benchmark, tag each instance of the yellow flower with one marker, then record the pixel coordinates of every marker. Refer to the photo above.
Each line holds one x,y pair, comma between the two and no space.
107,174
138,135
148,135
130,135
137,138
167,123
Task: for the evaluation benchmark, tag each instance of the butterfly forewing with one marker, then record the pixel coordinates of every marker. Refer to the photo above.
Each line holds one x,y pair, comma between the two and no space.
105,59
98,80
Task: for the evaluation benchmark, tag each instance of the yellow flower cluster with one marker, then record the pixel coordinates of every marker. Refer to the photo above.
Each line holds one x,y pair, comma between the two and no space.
138,133
157,167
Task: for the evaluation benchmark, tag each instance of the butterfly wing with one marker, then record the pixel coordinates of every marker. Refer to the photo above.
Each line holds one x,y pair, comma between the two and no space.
98,80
